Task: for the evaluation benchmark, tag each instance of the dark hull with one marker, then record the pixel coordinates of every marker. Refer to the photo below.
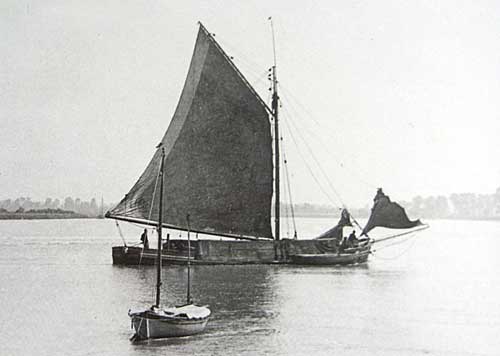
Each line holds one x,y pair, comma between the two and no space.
137,256
329,259
348,257
213,252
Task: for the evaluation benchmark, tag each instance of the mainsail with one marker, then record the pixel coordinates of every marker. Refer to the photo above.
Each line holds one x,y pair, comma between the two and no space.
386,213
218,155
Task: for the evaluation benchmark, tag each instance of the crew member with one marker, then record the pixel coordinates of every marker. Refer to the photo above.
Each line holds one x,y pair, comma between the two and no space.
144,239
352,240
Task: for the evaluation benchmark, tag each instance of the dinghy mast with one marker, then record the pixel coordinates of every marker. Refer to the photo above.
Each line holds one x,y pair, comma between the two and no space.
160,220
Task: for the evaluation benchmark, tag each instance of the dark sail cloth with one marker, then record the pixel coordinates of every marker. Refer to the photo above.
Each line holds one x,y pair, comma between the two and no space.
218,155
388,214
336,231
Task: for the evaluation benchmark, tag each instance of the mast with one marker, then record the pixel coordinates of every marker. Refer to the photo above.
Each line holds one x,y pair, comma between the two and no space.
276,158
274,108
188,296
160,222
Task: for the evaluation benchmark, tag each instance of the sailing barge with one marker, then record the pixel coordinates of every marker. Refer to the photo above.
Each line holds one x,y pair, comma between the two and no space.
219,170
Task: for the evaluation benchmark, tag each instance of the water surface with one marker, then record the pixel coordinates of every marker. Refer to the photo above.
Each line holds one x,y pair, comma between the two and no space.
435,294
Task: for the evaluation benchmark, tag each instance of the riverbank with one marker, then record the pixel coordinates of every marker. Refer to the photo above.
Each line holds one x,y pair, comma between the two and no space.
41,216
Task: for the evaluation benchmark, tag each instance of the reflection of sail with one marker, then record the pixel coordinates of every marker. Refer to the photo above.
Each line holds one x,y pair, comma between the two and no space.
218,155
237,292
388,214
336,231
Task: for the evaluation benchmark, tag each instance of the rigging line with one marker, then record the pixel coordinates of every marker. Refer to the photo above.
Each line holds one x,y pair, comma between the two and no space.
242,55
319,166
288,92
326,176
307,164
397,256
154,195
395,243
252,68
287,221
274,42
120,232
285,190
260,78
151,209
287,178
295,101
423,227
327,179
339,161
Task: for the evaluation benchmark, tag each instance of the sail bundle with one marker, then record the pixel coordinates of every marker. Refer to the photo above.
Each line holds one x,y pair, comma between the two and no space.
218,155
336,231
386,213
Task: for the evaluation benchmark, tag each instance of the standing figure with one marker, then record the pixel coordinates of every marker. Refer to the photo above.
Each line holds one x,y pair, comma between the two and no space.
352,240
144,239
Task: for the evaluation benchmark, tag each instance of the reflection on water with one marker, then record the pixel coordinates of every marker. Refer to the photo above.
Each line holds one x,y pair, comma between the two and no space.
61,296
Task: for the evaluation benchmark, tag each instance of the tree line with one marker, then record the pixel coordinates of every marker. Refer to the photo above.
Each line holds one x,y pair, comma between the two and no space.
455,206
25,204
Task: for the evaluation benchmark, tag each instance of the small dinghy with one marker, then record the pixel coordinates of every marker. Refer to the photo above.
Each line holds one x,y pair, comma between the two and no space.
157,322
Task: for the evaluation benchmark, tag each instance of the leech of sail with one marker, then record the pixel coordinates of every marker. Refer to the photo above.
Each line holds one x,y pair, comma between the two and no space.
229,60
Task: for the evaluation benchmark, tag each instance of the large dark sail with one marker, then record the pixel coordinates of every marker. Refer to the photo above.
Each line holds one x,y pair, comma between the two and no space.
386,213
218,164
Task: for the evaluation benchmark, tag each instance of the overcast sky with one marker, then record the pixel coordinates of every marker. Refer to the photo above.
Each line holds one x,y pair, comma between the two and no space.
401,95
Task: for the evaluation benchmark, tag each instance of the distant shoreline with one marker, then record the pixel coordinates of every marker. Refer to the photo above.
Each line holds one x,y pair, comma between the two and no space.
55,216
41,216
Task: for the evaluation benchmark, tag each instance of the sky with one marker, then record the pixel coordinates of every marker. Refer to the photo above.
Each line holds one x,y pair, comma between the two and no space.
392,94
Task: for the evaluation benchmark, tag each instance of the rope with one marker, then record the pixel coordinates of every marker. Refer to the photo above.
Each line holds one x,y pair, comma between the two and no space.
320,139
307,164
150,212
285,206
120,232
287,179
399,255
402,234
260,78
154,194
344,205
321,168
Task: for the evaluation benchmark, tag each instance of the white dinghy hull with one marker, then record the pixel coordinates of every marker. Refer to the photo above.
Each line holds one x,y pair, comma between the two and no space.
173,322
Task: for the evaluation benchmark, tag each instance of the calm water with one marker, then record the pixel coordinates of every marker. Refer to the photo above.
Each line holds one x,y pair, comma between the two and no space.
435,294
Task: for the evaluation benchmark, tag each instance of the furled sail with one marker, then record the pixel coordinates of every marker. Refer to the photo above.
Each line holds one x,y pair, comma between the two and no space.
388,214
218,155
336,231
